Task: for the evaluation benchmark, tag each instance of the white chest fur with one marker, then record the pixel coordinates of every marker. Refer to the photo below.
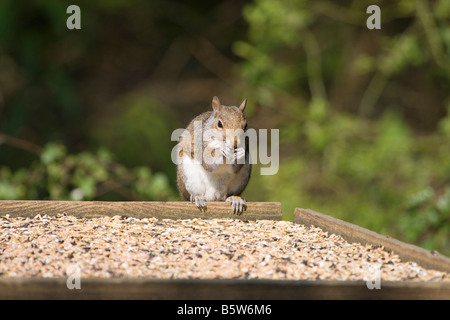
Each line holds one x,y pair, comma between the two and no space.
214,186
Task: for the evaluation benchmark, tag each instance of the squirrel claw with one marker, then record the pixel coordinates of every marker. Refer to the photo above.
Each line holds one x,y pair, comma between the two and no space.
228,153
238,204
200,202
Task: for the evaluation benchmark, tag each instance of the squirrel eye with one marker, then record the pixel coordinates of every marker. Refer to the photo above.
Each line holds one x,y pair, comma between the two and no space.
219,124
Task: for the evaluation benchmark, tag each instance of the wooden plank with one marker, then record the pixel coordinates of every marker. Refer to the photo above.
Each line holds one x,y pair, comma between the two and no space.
354,233
139,209
215,289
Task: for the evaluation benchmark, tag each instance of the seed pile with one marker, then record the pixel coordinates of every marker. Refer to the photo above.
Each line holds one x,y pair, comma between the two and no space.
118,246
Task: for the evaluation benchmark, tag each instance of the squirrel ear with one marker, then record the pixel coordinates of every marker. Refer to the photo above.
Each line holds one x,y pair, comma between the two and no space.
243,104
216,105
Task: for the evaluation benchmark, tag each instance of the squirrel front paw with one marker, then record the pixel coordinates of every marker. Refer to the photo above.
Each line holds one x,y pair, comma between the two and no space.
228,152
232,154
240,153
238,204
200,202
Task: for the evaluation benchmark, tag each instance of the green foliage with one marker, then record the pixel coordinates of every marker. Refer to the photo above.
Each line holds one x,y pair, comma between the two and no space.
134,132
427,218
84,176
356,156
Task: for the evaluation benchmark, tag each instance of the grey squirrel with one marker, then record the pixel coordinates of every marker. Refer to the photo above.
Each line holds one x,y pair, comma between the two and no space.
212,164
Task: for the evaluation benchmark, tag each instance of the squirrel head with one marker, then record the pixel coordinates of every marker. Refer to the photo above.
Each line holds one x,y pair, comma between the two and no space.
229,119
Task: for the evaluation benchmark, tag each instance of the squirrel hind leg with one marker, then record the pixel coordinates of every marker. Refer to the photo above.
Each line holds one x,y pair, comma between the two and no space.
200,202
238,204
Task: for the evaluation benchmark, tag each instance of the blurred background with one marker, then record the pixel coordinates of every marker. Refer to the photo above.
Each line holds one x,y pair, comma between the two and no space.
364,115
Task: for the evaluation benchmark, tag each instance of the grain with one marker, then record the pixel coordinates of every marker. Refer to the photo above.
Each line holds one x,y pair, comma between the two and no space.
105,247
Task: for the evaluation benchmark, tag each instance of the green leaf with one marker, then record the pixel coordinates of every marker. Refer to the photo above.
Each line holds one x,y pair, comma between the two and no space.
53,152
